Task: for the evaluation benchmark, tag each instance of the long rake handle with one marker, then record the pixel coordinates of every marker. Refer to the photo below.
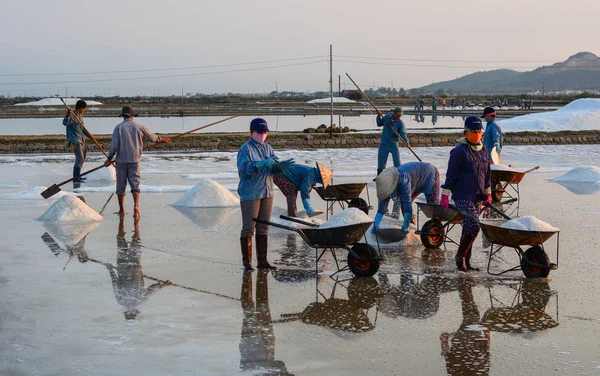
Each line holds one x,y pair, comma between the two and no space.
83,174
383,117
193,130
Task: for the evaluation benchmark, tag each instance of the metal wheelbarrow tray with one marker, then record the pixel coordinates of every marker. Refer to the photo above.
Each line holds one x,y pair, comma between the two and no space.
534,262
363,259
345,194
503,179
434,231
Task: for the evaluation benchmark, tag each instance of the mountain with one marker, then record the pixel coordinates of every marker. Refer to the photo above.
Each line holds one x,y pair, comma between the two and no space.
579,72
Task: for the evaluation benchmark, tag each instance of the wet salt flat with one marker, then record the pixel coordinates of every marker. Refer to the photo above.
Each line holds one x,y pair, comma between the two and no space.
67,290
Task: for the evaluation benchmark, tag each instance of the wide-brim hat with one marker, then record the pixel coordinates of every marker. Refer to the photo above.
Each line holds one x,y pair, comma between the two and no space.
386,182
128,110
325,173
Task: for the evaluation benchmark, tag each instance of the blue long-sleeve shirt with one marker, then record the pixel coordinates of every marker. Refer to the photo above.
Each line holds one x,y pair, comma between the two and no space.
254,183
75,131
388,136
414,178
468,174
492,136
303,177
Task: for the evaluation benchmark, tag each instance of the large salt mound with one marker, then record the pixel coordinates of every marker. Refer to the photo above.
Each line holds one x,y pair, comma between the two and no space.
207,193
582,114
70,209
31,194
107,174
579,174
347,217
528,223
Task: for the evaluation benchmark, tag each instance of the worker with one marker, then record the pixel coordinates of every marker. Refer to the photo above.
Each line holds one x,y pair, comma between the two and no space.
392,128
301,178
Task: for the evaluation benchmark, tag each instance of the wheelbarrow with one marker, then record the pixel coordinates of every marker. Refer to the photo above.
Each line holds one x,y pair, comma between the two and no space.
534,262
441,221
345,195
363,259
503,179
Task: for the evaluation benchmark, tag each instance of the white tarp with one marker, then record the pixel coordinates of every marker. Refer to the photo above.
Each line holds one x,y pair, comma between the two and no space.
57,102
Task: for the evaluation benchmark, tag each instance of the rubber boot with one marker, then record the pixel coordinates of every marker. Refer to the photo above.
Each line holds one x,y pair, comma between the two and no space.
261,252
77,172
246,245
291,205
468,257
379,170
466,242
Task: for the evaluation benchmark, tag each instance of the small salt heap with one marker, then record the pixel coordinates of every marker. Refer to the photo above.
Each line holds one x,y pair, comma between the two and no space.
501,167
103,174
579,174
207,193
350,216
529,223
70,209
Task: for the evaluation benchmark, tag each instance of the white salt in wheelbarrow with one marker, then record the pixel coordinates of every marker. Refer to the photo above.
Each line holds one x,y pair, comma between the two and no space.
363,259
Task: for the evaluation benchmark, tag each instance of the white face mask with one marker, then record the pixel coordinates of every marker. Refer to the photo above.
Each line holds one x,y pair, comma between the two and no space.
259,137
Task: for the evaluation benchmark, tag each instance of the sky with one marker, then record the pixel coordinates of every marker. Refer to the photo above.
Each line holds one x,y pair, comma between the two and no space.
151,47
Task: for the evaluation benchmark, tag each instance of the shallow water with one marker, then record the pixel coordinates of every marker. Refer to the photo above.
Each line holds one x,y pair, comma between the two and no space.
63,315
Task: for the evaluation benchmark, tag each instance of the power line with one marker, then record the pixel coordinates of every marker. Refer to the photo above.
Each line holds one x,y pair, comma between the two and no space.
448,61
429,66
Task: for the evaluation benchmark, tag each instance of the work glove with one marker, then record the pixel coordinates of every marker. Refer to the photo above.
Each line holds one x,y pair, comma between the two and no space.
488,200
284,165
498,148
444,201
268,163
378,218
309,210
406,222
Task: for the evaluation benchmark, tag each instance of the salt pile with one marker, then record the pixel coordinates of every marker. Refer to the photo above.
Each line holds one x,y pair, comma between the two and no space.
207,193
347,217
107,173
501,167
579,174
528,223
70,209
277,211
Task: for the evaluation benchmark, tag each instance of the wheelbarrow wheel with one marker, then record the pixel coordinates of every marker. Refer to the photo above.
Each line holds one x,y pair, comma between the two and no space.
432,234
497,191
538,256
368,264
359,203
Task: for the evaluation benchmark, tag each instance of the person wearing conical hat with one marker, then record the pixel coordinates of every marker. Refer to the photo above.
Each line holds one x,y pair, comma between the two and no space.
301,178
405,183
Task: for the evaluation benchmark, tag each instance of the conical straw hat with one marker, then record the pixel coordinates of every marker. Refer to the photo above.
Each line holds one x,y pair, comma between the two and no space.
386,182
325,173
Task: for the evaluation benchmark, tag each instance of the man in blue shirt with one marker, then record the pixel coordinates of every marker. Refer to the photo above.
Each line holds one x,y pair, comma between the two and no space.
492,137
301,178
389,138
257,163
75,139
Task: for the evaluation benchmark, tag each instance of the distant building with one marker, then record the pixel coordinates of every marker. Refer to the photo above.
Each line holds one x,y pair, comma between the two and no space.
355,95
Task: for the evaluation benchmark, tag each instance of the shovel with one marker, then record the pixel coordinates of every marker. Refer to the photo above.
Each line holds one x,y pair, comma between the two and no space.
55,188
391,234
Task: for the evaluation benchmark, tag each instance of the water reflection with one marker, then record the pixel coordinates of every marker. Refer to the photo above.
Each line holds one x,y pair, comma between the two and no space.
127,277
290,254
207,218
581,188
257,342
72,236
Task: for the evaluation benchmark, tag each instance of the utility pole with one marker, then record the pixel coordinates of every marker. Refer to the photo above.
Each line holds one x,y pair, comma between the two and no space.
66,91
331,87
339,95
542,88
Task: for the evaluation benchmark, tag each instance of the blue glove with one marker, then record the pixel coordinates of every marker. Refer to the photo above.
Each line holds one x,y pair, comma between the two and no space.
268,163
378,218
309,209
498,148
406,222
284,165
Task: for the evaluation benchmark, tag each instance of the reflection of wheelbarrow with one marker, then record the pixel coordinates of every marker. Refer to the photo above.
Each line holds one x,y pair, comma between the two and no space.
345,194
525,314
503,179
348,315
363,259
433,233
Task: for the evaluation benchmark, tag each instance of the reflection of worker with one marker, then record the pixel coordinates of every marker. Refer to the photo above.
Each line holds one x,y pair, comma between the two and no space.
301,178
468,178
410,299
128,279
77,249
492,137
256,164
257,342
405,183
389,138
468,351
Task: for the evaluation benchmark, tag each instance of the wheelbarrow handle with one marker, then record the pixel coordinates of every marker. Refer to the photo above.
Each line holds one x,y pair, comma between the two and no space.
531,169
503,214
464,214
298,221
269,223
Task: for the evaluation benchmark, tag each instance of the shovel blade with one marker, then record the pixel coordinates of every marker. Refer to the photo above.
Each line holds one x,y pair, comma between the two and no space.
50,191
